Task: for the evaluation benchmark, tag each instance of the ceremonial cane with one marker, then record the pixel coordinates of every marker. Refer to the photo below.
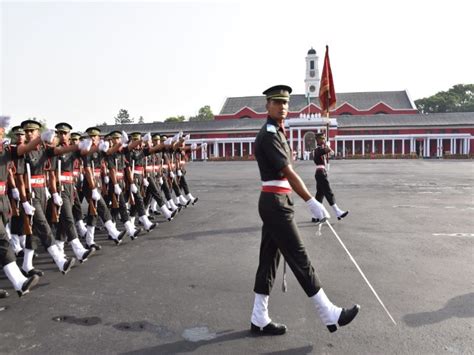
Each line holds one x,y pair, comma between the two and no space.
283,285
360,271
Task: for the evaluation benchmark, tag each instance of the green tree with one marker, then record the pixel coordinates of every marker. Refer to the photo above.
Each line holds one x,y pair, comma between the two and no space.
123,117
141,119
175,119
460,98
204,114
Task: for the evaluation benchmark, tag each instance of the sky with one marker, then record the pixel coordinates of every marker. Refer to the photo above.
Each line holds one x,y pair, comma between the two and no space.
82,61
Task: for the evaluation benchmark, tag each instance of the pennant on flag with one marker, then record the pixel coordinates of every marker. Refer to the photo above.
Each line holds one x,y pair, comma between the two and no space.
327,94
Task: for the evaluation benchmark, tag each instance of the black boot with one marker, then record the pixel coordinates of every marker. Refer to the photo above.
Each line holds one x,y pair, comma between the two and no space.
269,329
32,272
343,215
347,315
68,265
27,285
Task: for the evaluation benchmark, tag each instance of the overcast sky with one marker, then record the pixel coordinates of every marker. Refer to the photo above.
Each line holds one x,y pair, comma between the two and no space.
81,62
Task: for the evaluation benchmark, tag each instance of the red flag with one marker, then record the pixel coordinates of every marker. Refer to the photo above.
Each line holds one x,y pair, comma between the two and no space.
327,94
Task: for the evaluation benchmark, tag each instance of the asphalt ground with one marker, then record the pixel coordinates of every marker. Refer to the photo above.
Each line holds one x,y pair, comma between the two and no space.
186,287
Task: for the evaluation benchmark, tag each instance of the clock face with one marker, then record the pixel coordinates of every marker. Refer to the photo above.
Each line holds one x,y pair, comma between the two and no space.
311,73
312,88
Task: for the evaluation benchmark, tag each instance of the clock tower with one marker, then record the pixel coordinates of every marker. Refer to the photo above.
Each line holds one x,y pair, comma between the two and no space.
311,81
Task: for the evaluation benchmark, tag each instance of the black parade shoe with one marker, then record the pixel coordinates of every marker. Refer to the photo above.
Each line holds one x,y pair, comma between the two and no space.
172,215
93,246
68,265
318,221
153,225
343,215
87,254
347,316
118,241
195,200
27,285
269,329
20,254
135,235
4,294
32,272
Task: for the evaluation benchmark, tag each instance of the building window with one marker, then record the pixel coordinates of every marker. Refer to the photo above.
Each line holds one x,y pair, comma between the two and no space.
381,113
345,114
244,117
311,64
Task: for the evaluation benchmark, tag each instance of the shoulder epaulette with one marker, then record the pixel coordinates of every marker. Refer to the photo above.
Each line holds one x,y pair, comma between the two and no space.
271,128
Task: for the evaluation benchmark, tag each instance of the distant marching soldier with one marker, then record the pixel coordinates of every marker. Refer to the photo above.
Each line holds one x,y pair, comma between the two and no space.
78,176
162,175
152,191
116,165
135,173
180,154
63,182
20,283
279,231
323,189
16,222
92,164
36,162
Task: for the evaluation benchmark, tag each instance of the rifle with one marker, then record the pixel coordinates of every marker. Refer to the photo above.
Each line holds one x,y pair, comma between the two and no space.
92,203
131,199
28,220
115,203
55,209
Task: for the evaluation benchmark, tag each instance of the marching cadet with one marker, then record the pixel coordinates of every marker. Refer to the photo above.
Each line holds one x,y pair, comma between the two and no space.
323,189
116,165
135,172
36,162
16,222
92,164
163,173
62,180
20,283
181,170
279,232
168,156
152,191
78,195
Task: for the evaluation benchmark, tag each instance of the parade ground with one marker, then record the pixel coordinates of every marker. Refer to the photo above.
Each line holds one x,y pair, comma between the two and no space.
187,286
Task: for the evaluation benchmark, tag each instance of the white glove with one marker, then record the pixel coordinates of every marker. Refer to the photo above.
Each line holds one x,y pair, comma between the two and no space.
147,137
15,194
168,141
180,173
117,189
160,181
85,144
124,138
134,188
95,195
146,182
186,137
172,175
194,146
48,136
48,194
29,210
317,209
104,146
58,201
106,179
81,177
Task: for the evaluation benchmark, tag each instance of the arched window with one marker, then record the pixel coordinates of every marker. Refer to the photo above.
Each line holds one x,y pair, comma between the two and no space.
381,113
244,117
345,114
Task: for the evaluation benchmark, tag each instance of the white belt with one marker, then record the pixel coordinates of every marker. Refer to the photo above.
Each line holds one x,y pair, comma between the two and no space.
279,183
321,167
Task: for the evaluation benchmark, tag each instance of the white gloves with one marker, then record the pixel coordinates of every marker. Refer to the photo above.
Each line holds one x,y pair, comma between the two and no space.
317,209
95,195
186,137
85,144
168,141
104,146
147,137
58,201
48,136
29,210
124,138
172,175
180,173
194,146
15,194
117,189
160,181
81,177
48,194
106,179
134,188
146,182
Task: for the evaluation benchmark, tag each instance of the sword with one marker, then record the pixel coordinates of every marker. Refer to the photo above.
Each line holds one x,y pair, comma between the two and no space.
284,287
360,271
32,193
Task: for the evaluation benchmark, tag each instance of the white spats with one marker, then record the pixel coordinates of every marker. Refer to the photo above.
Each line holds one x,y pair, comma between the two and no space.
172,206
60,245
146,222
130,228
191,198
328,312
28,260
111,229
337,210
166,212
81,228
260,316
78,248
15,243
57,256
154,206
14,275
182,200
90,235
